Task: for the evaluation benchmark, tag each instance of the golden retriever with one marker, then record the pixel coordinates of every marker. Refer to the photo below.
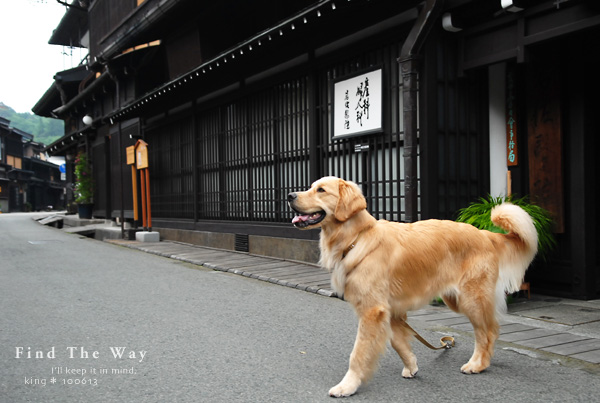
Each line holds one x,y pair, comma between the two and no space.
385,269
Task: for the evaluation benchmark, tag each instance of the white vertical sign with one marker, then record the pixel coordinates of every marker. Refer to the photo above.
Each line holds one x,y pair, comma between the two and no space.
357,105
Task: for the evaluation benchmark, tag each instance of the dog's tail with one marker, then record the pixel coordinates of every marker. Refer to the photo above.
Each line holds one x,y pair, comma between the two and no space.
518,248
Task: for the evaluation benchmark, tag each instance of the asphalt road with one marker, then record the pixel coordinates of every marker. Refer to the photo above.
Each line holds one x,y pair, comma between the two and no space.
187,334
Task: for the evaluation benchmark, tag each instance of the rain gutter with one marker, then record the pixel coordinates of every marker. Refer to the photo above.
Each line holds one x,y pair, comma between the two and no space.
85,93
409,66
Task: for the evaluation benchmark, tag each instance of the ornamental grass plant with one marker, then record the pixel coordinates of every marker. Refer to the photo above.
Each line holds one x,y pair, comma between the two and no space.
478,214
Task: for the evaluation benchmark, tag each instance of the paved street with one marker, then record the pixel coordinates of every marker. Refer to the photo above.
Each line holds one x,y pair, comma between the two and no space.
190,334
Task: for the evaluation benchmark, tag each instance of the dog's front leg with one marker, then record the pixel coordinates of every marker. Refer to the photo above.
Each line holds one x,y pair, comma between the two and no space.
373,334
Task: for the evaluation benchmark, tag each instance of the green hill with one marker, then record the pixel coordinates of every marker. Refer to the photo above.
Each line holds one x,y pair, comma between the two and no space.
44,130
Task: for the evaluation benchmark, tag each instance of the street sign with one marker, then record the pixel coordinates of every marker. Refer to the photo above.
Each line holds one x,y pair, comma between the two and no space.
130,155
141,151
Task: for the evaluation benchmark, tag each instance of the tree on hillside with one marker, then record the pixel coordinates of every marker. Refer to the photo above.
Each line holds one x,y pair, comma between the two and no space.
44,130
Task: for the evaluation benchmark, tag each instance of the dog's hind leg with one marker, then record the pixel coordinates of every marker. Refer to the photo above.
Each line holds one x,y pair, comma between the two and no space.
401,338
371,339
482,314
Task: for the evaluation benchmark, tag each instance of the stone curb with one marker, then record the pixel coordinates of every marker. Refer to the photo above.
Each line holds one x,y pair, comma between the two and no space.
147,247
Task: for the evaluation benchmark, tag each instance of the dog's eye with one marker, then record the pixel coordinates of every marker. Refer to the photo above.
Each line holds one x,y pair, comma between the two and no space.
321,190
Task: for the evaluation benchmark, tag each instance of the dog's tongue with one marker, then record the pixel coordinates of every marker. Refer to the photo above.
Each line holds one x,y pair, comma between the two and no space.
300,218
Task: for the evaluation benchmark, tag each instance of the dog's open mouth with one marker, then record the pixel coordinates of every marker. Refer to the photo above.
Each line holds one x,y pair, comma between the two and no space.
304,220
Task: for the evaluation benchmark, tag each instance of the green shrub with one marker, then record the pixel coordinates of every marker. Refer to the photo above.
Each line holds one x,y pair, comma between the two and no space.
84,184
478,214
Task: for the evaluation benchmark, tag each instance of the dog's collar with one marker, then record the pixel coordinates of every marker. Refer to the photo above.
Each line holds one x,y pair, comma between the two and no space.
353,244
349,248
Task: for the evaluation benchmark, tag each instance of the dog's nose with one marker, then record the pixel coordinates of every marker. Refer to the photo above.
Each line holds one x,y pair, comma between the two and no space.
292,196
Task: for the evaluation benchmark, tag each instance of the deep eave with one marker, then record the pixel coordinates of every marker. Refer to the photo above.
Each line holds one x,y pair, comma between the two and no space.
66,142
71,28
291,26
66,85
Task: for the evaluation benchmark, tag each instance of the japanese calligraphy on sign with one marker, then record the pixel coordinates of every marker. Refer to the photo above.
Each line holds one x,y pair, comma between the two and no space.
511,119
357,105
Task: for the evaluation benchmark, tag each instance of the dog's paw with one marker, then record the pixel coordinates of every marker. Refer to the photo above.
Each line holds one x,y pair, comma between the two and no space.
347,387
470,368
409,373
340,390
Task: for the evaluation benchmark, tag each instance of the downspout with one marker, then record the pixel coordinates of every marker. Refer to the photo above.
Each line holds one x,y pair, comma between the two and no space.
409,65
114,76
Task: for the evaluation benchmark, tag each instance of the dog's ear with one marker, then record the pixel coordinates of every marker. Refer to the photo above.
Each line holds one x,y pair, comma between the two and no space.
350,202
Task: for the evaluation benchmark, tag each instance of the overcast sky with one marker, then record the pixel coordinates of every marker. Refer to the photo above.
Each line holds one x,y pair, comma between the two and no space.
28,63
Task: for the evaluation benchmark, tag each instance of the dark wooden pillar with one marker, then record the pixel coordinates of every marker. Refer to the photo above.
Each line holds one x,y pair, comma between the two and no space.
581,145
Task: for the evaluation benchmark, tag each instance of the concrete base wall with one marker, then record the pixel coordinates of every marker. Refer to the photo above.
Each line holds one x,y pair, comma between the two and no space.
283,248
201,238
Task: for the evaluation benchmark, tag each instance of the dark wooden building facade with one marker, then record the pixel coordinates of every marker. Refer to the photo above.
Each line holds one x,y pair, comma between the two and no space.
28,182
236,101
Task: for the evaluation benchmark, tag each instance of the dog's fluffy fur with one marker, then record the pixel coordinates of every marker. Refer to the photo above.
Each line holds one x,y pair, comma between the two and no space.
385,269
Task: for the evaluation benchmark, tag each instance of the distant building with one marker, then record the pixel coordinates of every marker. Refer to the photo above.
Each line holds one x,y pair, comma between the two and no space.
427,105
28,182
